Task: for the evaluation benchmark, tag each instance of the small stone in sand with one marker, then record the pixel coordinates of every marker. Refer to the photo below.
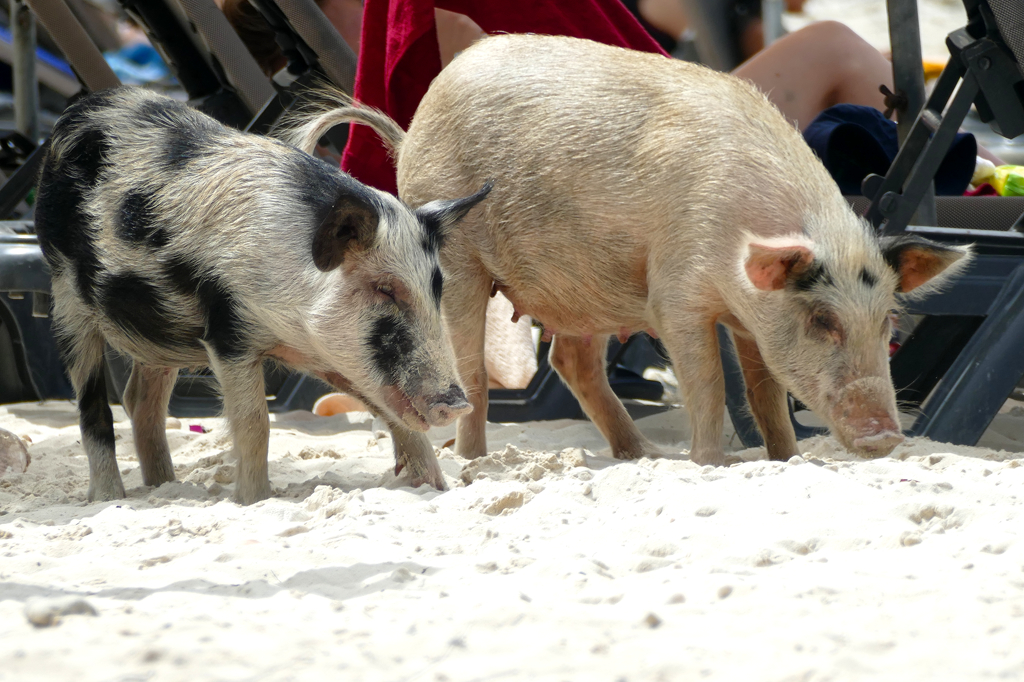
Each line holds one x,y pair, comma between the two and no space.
573,457
44,612
652,621
724,591
14,457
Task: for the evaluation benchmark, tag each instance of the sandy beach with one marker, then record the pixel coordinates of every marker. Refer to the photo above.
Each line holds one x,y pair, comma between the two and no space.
546,560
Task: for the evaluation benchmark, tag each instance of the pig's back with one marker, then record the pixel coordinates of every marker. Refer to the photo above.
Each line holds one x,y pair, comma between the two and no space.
596,149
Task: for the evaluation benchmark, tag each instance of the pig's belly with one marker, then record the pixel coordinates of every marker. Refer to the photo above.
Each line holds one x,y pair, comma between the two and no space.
578,312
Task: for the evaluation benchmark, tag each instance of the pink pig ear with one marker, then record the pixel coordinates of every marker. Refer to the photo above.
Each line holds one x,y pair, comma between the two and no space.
771,262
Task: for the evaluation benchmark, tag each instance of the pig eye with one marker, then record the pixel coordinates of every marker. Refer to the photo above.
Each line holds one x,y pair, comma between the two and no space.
824,326
824,321
385,290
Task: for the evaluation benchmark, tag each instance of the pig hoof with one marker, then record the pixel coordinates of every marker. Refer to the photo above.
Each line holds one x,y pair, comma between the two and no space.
715,459
431,475
877,445
246,497
433,481
639,451
105,492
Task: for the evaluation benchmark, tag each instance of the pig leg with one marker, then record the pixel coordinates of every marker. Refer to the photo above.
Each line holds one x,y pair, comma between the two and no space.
768,402
415,455
245,405
581,364
465,306
692,343
83,357
145,401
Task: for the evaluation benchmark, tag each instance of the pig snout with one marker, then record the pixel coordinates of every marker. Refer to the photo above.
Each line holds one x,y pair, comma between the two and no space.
865,418
441,409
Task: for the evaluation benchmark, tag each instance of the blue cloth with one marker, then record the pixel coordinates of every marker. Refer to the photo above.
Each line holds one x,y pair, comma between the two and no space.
854,141
138,64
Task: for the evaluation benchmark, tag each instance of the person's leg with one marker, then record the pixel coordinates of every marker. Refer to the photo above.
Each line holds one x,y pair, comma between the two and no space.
820,65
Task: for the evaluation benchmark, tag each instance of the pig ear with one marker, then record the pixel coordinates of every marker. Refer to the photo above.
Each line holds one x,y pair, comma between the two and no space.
771,262
439,217
918,261
350,223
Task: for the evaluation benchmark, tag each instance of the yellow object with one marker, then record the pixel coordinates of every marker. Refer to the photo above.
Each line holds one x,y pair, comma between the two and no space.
1008,181
932,69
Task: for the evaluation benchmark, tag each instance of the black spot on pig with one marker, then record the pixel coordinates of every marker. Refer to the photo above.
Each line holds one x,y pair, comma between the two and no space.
65,233
136,305
61,222
812,278
87,153
437,286
390,343
314,183
187,136
182,147
87,157
96,418
137,220
868,278
225,328
226,331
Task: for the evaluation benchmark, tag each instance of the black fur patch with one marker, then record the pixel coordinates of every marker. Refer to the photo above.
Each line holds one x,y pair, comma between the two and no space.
322,187
188,135
136,305
813,277
60,217
87,157
868,278
437,285
63,230
433,237
225,329
314,183
137,220
94,411
181,147
391,343
170,114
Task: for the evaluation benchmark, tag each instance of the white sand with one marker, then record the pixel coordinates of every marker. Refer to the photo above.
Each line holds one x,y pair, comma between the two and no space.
550,565
868,18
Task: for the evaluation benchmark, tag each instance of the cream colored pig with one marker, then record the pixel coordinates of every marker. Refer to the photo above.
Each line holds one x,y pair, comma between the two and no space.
634,192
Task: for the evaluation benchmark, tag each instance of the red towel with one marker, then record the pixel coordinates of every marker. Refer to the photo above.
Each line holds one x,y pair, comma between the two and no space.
399,57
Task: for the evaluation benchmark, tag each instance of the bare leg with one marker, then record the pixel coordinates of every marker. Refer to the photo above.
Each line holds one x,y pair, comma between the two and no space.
84,359
767,399
582,366
692,343
465,310
145,401
245,406
822,64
